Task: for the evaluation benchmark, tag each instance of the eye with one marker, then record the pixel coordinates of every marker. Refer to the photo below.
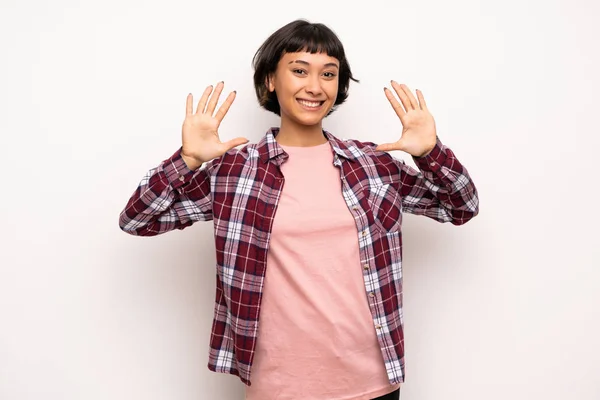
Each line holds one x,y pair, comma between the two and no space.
329,74
299,71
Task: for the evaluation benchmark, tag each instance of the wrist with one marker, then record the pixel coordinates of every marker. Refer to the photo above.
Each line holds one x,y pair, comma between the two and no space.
191,162
426,153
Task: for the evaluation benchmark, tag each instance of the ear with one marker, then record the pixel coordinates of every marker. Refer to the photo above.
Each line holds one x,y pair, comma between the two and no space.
269,83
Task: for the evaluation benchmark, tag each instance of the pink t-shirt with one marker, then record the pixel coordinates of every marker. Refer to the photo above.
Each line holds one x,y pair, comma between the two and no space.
316,338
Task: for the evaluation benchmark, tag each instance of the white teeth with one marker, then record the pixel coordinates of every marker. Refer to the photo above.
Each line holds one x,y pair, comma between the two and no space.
309,103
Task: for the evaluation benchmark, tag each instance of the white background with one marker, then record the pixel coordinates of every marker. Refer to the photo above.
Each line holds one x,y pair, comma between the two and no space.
93,95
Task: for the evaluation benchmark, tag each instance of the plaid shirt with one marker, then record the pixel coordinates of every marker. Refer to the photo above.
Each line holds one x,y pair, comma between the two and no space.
239,192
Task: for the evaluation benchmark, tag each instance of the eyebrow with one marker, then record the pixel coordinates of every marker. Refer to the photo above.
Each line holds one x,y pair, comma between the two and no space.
331,64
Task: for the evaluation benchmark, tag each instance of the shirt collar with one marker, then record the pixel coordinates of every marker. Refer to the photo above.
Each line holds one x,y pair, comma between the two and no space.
269,149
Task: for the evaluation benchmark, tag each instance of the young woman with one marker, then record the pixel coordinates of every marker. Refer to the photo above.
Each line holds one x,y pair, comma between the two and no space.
307,226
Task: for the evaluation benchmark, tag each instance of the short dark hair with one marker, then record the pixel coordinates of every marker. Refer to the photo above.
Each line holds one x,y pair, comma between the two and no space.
298,35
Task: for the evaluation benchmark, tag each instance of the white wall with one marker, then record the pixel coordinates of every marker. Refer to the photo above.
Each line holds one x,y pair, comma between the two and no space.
93,94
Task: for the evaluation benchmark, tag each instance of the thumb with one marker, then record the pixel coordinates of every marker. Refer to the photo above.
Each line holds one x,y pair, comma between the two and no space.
385,147
399,145
230,144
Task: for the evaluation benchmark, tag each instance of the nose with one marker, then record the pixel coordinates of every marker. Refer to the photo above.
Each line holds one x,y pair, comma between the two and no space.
313,85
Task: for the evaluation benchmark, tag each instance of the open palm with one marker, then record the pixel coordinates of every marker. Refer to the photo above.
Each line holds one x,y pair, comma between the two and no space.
418,136
200,131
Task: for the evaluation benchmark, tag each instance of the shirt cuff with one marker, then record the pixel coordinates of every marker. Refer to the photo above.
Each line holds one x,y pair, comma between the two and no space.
434,160
177,171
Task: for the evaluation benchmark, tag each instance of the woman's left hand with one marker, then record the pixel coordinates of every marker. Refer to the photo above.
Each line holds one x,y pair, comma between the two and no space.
418,136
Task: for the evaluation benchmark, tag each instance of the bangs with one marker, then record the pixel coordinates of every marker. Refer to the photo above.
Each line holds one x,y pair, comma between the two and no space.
313,40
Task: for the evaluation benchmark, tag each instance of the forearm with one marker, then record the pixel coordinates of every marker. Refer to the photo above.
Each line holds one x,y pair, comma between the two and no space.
442,188
170,196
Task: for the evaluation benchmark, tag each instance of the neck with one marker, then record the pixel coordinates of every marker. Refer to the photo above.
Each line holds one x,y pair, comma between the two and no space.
294,134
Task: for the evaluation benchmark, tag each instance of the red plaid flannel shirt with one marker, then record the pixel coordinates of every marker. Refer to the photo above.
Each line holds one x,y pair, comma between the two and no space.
239,192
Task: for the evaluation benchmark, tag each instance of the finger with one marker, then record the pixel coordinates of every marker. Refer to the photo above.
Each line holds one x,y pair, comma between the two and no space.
225,106
230,144
395,104
189,104
385,147
203,99
421,100
402,95
399,145
210,109
411,97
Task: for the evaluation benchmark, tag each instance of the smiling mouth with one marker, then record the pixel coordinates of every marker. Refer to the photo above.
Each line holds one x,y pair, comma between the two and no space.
311,105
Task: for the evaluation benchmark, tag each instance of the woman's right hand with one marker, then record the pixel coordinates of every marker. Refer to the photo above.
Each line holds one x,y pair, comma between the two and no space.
200,136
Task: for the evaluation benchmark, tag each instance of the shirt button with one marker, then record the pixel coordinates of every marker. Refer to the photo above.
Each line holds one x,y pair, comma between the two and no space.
378,326
432,164
355,208
181,178
372,294
364,233
366,266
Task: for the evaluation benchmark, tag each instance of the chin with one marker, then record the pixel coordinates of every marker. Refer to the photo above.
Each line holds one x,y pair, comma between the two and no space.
311,118
308,121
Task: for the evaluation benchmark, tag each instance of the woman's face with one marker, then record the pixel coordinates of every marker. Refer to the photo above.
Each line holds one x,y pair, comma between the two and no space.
306,86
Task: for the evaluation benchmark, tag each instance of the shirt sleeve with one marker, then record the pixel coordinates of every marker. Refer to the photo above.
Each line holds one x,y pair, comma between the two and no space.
170,196
441,188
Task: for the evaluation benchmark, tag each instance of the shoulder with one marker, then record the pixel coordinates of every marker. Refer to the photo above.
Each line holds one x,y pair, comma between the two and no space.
234,160
242,154
367,150
378,165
